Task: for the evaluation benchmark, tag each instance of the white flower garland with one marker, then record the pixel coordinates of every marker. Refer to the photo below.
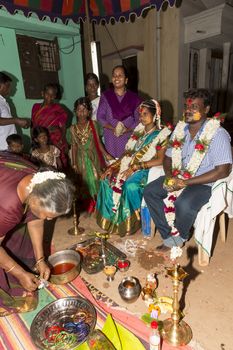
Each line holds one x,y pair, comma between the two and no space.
201,148
128,159
41,177
175,252
133,140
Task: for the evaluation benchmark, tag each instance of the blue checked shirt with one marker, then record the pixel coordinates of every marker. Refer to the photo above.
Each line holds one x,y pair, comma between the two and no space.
219,151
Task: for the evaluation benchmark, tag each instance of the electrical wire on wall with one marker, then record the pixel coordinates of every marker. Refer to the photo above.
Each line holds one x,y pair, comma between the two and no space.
117,50
72,46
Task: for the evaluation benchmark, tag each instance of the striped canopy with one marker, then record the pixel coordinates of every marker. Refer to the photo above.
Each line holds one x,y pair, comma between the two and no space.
99,10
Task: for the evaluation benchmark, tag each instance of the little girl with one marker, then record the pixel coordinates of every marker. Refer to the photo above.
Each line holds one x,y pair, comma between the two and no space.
42,150
87,152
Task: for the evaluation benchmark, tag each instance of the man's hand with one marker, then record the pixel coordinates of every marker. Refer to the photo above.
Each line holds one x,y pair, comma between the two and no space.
23,122
173,184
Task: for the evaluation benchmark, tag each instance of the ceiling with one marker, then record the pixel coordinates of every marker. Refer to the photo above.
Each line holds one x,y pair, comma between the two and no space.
192,7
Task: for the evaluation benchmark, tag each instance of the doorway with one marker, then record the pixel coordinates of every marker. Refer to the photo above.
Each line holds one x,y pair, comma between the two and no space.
130,64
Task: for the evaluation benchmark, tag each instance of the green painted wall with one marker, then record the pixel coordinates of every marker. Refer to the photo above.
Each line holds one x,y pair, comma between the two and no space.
70,75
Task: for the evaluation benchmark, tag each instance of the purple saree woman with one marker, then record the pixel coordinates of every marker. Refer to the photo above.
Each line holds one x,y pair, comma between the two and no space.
118,113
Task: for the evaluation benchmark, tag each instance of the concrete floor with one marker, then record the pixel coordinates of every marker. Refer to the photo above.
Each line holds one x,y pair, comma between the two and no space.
206,294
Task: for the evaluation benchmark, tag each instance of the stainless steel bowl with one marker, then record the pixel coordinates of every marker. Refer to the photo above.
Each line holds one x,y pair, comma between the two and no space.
63,257
129,289
60,312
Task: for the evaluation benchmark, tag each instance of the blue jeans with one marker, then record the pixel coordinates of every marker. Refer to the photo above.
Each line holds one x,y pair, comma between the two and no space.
187,206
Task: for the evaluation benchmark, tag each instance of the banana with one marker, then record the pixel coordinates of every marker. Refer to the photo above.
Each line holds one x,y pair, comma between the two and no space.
165,299
165,307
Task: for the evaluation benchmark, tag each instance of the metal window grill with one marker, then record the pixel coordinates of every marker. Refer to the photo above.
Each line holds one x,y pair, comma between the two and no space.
48,53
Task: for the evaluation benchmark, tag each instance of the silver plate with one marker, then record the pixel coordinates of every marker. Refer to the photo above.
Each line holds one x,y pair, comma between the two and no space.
59,312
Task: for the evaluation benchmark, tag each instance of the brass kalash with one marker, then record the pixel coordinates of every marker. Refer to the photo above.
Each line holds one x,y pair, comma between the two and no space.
175,331
75,230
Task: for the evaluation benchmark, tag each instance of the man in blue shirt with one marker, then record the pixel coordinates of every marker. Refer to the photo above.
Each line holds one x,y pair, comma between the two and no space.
196,188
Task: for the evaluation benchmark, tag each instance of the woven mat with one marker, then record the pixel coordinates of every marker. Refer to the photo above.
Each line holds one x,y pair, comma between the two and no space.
14,329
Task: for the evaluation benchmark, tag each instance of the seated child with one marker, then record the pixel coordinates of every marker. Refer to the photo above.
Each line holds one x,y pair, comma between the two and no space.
15,143
42,150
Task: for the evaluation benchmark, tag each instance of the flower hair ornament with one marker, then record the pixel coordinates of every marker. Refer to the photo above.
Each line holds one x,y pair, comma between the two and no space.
157,116
43,176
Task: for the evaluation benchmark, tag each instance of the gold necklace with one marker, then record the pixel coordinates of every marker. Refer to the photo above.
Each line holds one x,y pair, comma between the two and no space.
150,131
82,135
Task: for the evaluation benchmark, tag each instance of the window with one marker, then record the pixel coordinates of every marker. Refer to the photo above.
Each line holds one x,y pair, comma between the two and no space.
39,60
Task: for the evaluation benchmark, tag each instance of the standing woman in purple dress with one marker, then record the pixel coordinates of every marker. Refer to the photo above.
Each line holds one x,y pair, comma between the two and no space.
118,113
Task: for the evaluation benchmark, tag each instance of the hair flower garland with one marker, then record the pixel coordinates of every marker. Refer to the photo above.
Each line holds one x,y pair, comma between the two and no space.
200,150
43,176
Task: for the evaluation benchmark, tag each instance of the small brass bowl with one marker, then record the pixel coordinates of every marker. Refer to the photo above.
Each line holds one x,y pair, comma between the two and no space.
65,266
129,289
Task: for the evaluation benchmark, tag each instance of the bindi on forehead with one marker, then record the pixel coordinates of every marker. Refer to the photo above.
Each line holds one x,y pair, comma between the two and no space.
189,101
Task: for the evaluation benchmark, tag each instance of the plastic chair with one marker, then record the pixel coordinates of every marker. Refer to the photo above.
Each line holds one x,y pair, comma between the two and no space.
220,202
203,256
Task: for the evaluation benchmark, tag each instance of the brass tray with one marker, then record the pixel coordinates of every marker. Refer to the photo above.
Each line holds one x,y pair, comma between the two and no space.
91,252
60,312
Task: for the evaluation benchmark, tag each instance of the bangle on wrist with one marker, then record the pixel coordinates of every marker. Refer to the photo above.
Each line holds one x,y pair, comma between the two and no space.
134,167
10,269
143,165
39,260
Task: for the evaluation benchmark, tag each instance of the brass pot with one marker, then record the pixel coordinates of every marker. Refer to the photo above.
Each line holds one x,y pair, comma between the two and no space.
65,257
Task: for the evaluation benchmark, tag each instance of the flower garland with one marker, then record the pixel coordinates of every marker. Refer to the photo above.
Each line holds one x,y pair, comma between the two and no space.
127,160
175,253
41,177
201,148
137,133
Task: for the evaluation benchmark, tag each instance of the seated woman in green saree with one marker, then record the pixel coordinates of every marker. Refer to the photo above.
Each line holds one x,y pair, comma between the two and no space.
121,189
